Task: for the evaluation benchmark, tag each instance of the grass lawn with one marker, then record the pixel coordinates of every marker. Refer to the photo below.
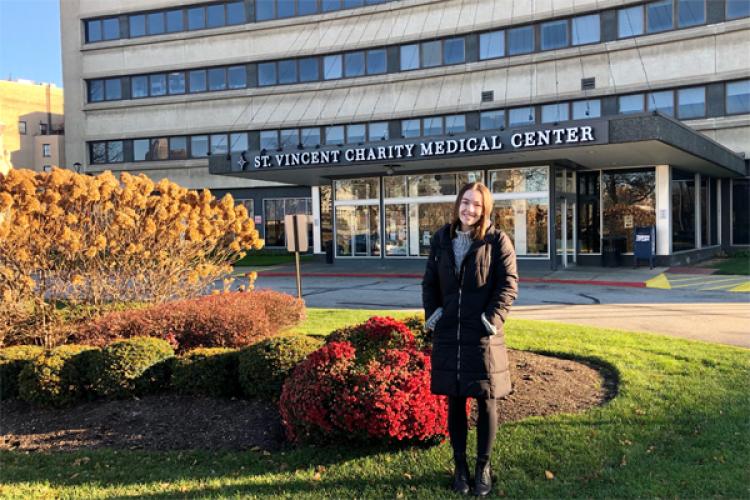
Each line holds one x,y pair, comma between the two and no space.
269,259
735,265
677,428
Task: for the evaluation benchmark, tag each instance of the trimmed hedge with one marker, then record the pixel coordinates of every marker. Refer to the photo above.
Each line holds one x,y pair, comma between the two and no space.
132,367
12,361
57,377
233,320
263,367
208,371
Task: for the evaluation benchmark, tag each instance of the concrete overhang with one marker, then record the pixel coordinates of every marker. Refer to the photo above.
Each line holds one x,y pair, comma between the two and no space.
621,141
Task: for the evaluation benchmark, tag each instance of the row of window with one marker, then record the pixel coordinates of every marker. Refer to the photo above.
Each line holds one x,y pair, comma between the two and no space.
683,103
198,17
648,18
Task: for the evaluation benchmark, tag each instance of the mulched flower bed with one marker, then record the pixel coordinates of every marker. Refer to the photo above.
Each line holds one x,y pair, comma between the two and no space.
543,386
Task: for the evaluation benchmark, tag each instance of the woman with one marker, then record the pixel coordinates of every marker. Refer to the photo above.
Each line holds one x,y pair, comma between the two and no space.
468,288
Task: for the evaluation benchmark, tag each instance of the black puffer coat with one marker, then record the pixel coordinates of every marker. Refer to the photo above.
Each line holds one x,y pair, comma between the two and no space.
466,360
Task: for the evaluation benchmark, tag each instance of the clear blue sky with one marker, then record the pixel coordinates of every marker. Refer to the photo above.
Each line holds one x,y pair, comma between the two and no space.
30,40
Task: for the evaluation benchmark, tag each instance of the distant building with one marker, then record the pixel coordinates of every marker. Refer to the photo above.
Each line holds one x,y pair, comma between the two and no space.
31,119
587,119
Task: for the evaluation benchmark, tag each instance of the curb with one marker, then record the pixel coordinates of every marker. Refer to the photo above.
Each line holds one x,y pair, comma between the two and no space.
279,274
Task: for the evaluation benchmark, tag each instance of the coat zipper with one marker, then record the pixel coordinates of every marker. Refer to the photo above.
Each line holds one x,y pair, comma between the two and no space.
458,330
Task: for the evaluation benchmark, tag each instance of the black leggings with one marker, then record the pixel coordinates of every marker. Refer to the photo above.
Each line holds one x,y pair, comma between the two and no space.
486,426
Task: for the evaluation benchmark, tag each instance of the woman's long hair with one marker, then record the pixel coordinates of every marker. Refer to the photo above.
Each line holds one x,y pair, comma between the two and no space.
479,229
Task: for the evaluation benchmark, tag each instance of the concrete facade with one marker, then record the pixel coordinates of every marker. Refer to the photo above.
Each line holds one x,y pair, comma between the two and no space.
709,54
32,115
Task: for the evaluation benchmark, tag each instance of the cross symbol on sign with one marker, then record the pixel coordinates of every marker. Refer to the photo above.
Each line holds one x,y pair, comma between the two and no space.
242,161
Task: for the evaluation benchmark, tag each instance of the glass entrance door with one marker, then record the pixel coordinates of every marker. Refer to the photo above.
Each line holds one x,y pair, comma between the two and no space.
565,216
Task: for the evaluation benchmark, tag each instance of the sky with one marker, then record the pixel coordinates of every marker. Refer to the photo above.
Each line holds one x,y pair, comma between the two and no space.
30,40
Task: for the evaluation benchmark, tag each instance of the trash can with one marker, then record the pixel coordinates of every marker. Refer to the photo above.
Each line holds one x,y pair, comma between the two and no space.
329,251
612,249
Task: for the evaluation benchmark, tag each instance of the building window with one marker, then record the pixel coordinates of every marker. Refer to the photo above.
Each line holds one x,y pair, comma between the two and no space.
738,97
176,82
217,79
492,45
332,67
269,140
174,21
659,16
740,211
552,113
249,205
518,117
357,219
355,134
629,104
432,125
521,207
138,87
590,108
492,120
586,29
137,25
691,103
354,64
178,148
520,40
455,124
628,201
238,142
215,16
155,23
410,128
198,81
196,18
630,21
662,101
691,12
114,152
158,149
287,71
683,210
554,34
94,31
199,146
376,62
432,54
738,8
141,150
589,213
46,151
335,135
22,128
377,131
98,152
454,51
219,144
289,138
308,69
237,77
409,57
274,212
266,74
157,85
310,137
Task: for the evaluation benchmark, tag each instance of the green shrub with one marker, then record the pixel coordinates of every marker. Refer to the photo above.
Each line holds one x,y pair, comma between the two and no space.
415,324
57,377
207,372
12,361
264,366
132,367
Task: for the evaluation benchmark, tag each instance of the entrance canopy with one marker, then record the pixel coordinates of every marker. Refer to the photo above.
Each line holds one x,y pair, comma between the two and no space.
618,141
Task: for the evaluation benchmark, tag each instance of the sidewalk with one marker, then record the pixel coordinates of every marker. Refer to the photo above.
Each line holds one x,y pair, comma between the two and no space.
414,269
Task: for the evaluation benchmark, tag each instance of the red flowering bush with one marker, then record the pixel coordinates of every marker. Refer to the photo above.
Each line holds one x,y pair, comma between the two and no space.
369,382
225,320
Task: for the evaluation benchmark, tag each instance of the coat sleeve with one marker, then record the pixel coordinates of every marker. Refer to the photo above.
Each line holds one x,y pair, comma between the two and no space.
431,296
506,281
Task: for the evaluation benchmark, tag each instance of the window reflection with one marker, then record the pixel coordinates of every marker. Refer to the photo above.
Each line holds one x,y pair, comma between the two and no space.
628,201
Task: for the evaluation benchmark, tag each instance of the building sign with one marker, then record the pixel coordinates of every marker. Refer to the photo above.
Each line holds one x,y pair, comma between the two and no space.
395,151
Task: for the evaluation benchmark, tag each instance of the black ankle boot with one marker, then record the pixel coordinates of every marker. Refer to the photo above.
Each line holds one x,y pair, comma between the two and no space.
461,476
482,478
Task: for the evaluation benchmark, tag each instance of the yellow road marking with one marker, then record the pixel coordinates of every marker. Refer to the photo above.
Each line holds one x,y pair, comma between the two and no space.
710,282
660,281
744,287
726,285
680,280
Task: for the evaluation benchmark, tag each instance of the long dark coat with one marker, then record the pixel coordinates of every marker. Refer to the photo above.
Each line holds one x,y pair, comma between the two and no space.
466,360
